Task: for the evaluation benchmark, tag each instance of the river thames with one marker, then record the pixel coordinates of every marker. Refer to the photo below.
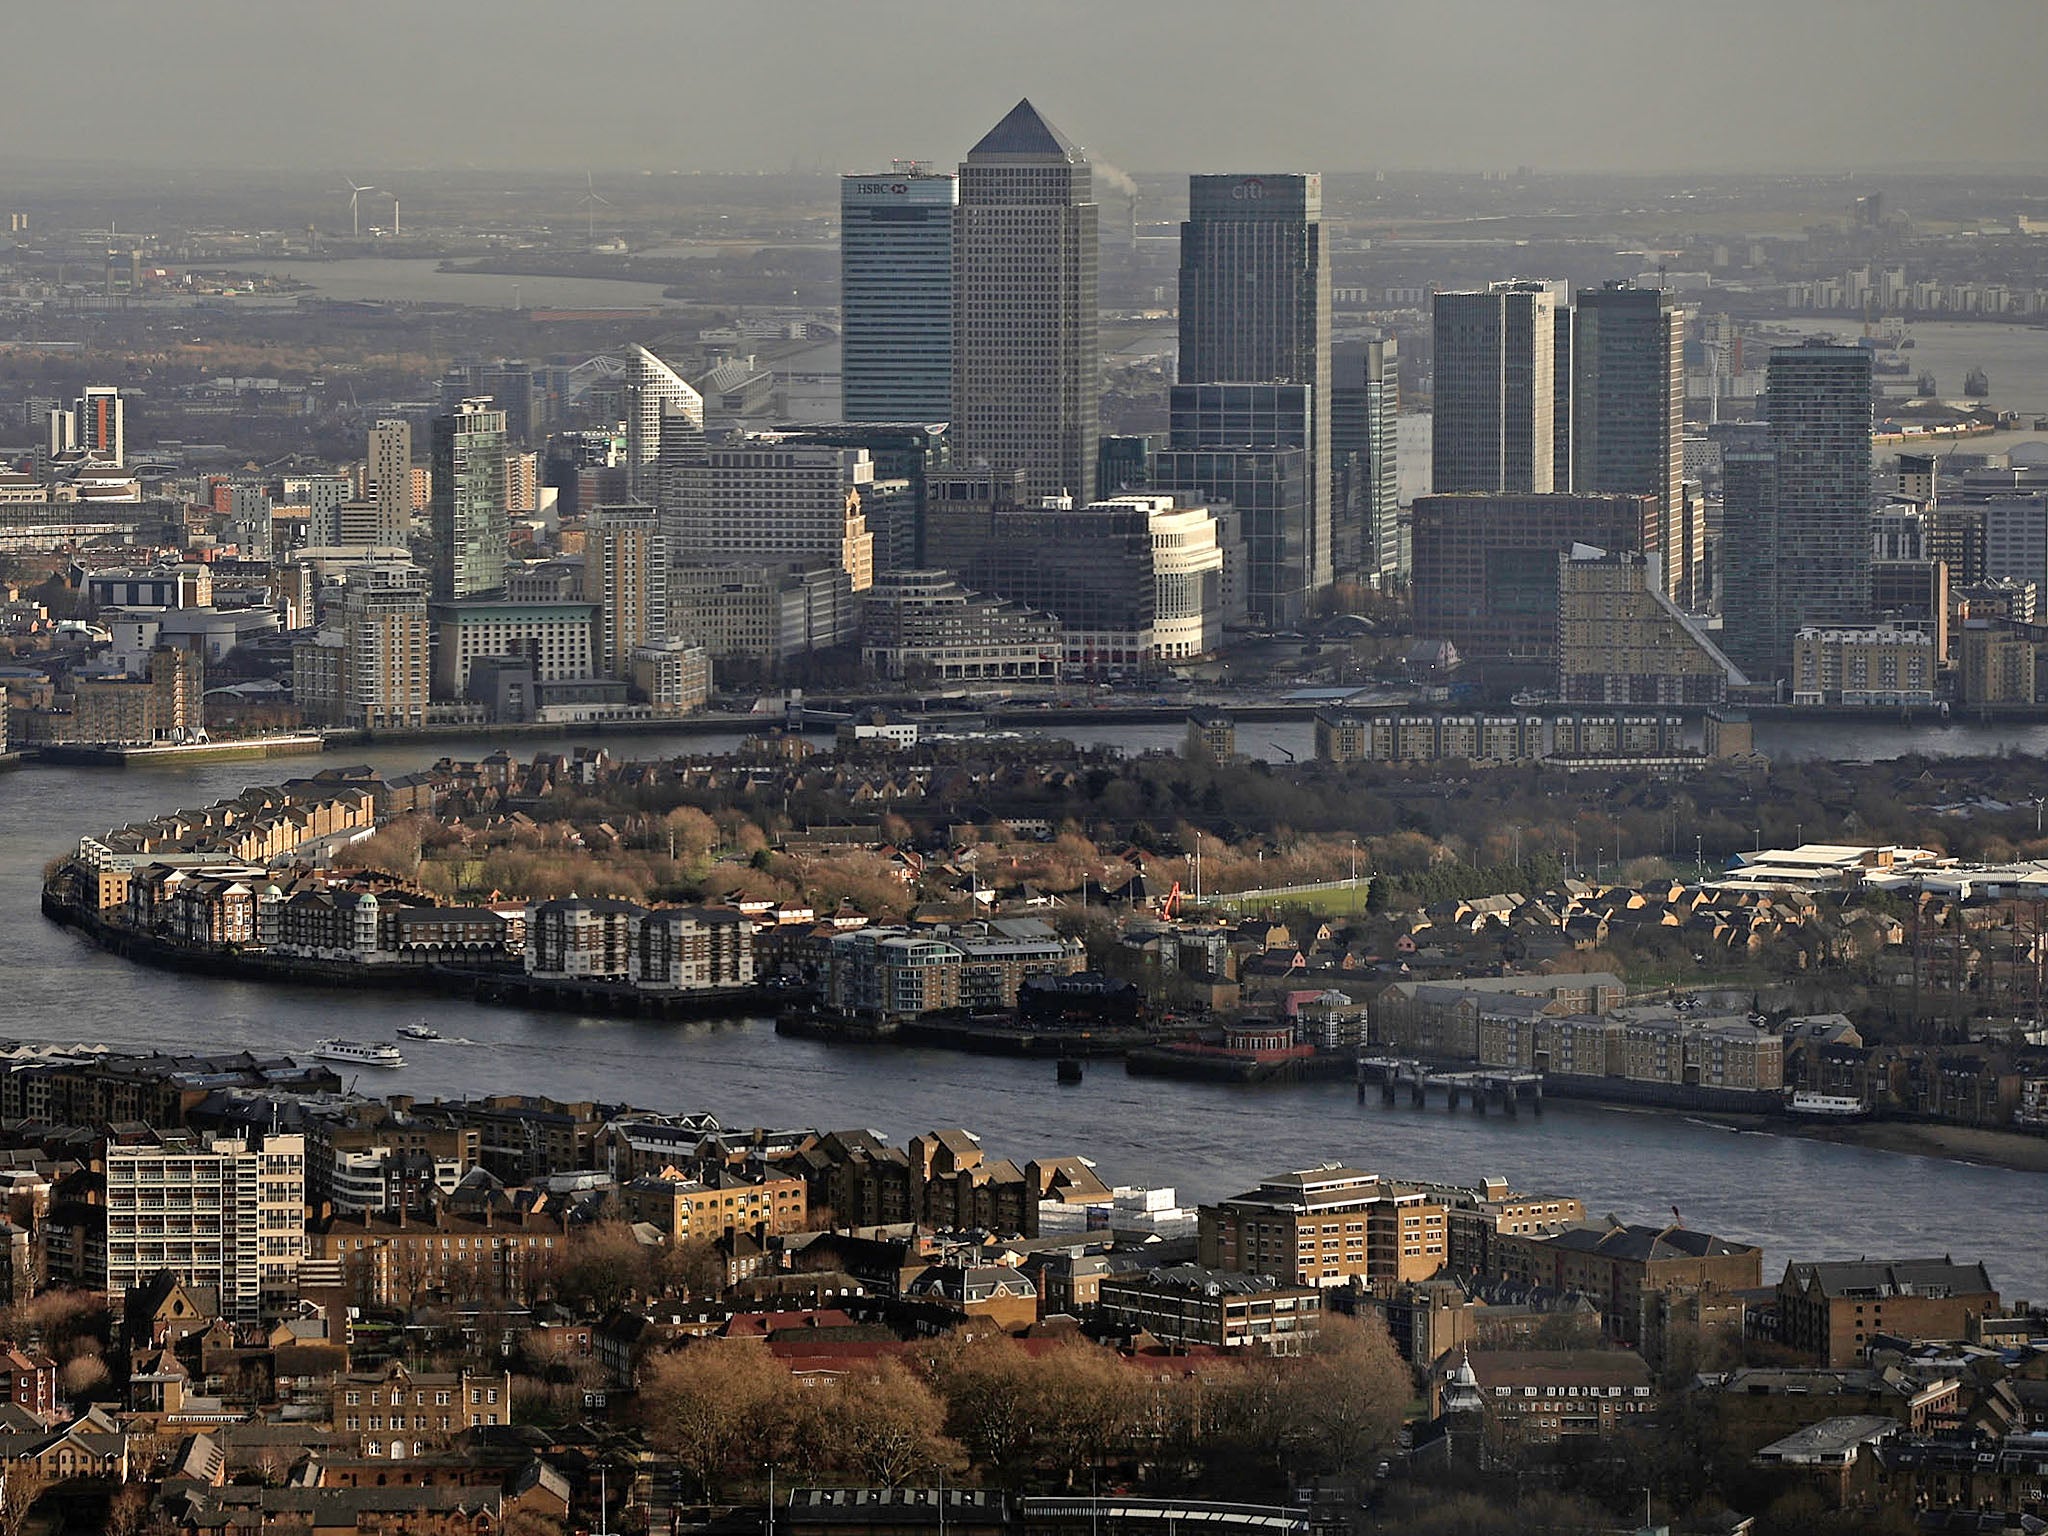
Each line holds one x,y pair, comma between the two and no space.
1796,1197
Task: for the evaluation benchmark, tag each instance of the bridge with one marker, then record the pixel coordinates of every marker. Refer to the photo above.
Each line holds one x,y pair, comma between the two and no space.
1479,1087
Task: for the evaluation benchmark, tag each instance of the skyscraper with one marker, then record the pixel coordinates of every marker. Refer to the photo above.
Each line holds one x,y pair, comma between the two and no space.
1255,309
471,533
896,294
1628,408
760,499
388,480
1817,400
1494,427
1365,410
653,390
625,567
1026,367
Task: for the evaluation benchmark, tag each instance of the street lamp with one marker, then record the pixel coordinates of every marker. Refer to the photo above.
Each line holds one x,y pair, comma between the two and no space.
1354,863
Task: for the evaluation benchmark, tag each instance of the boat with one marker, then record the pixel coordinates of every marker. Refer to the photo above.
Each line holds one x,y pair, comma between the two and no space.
1827,1106
1069,1069
419,1031
361,1053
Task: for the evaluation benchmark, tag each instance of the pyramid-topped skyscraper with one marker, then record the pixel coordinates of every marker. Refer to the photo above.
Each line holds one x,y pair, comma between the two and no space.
1026,366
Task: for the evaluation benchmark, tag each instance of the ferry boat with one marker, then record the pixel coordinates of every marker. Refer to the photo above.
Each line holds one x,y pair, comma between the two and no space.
361,1053
419,1031
1827,1106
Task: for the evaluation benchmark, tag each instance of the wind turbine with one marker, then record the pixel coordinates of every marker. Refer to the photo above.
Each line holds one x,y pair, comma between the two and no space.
355,211
590,199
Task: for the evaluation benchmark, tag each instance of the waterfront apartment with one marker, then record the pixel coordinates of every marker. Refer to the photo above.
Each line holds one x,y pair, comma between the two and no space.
1834,1311
901,972
1187,1304
1326,1226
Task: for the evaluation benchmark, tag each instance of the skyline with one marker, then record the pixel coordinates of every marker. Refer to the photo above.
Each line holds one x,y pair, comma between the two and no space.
1761,89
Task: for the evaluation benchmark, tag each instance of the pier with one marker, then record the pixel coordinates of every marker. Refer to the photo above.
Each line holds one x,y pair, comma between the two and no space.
1479,1087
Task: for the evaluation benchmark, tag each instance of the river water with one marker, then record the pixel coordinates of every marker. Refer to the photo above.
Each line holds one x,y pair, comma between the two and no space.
1798,1198
420,280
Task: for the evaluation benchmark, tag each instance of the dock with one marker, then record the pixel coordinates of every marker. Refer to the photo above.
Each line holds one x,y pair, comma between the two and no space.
1479,1088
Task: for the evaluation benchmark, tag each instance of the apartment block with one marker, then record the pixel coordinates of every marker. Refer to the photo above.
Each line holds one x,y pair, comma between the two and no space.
1326,1226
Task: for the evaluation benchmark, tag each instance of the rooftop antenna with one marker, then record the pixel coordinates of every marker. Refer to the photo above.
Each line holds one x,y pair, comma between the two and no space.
590,199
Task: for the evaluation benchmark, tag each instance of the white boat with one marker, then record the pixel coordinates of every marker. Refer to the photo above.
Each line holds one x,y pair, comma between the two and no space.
361,1053
419,1031
1827,1106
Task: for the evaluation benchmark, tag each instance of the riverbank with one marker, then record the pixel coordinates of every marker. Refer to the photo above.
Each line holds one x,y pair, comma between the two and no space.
1986,1148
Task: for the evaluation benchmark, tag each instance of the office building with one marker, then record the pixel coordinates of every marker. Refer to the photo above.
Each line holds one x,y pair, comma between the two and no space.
1802,506
1620,640
1026,359
227,1214
383,666
1134,581
762,613
763,499
1253,446
471,534
1493,426
1486,567
560,639
1365,408
924,626
896,294
387,482
1628,411
653,391
905,454
626,561
1255,309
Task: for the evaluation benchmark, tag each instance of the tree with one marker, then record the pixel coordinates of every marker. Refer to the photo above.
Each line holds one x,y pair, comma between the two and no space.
710,1401
1085,1403
21,1484
602,1268
890,1425
1348,1395
984,1382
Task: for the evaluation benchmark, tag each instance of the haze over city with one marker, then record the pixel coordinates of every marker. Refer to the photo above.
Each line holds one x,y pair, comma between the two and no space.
1572,85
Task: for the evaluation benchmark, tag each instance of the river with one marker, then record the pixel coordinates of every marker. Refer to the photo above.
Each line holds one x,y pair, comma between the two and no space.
1798,1198
396,279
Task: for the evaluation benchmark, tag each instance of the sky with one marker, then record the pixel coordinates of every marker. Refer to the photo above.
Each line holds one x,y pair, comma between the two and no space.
1152,85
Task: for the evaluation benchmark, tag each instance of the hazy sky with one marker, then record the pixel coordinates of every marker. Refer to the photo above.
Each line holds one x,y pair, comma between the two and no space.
364,85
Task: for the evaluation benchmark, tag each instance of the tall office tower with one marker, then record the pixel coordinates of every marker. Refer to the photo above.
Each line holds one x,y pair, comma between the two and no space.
1255,309
1365,411
653,390
1563,413
1628,400
387,481
1748,574
1249,445
760,500
896,294
226,1214
384,649
625,567
471,533
1026,366
1494,427
1817,400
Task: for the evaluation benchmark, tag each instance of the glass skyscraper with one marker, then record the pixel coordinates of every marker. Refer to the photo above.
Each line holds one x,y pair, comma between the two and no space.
896,294
471,532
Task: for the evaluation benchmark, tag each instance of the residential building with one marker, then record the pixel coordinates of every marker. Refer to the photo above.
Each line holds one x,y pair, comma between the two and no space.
217,1212
1539,1396
626,561
559,638
900,972
1494,408
1629,1270
387,487
1628,416
93,425
1998,665
672,676
397,1413
924,625
1255,309
761,499
1326,1226
585,937
470,532
1186,1304
381,664
896,294
1026,358
1621,640
1863,665
1835,1311
719,1202
1212,737
1486,566
1365,409
687,949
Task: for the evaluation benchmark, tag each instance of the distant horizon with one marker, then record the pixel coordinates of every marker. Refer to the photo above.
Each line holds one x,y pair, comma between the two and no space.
1660,87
